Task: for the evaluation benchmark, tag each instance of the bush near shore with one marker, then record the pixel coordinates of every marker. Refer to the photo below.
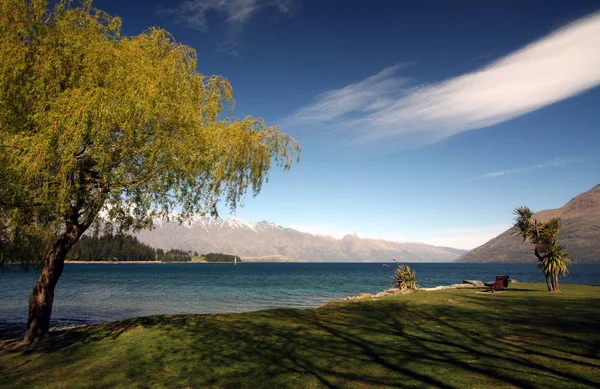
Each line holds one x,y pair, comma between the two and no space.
459,338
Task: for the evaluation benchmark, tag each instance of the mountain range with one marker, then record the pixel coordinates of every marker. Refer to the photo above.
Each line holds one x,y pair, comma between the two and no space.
266,241
580,234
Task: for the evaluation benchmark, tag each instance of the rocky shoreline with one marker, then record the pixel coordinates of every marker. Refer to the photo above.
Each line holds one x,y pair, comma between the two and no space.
396,291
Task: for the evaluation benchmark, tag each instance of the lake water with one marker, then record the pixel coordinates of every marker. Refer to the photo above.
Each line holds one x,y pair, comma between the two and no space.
92,293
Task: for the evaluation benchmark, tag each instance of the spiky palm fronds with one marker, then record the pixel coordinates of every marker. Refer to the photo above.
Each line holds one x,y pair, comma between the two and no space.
549,230
556,259
523,212
525,227
405,278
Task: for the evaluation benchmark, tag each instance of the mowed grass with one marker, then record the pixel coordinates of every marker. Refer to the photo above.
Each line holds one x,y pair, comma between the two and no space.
524,337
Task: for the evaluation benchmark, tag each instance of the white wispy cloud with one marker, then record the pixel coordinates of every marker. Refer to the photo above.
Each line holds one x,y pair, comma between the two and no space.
554,162
369,95
553,68
192,13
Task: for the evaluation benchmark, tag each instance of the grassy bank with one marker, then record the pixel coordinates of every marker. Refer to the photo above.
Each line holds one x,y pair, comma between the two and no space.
523,337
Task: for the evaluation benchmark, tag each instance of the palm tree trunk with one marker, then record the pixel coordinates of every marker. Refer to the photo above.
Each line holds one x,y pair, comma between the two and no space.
549,282
556,288
42,297
546,274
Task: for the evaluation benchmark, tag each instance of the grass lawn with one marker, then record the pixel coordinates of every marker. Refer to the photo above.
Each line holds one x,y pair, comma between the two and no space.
524,337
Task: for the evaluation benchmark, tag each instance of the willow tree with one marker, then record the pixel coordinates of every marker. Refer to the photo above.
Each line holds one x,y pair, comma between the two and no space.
553,257
92,121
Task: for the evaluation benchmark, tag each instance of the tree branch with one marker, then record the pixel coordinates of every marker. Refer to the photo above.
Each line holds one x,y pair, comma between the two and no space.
537,254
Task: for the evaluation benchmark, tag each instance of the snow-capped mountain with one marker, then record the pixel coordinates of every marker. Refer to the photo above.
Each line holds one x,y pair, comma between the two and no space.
263,239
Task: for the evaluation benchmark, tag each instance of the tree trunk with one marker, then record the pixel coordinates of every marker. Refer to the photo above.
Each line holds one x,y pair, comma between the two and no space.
549,279
549,282
40,302
556,288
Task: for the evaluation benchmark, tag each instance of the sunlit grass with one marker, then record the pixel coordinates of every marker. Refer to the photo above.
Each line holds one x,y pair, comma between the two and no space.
521,337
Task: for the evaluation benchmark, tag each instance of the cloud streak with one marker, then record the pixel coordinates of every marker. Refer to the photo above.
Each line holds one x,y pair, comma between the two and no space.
554,162
369,95
192,13
558,66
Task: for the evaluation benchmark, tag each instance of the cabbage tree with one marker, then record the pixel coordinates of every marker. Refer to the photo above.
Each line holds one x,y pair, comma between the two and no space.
553,257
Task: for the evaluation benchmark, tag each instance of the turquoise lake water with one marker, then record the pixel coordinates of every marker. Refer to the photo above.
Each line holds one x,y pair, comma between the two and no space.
97,293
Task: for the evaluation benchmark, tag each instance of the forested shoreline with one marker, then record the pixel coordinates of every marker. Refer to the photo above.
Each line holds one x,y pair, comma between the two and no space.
127,248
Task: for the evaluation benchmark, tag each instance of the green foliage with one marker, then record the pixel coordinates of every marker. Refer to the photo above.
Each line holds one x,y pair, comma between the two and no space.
92,121
111,248
219,257
19,241
121,247
523,222
554,259
405,278
173,255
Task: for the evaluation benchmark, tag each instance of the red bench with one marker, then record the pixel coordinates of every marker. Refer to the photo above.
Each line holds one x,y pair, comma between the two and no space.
500,283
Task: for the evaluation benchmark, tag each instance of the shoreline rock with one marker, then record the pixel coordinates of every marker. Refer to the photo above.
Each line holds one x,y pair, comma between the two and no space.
387,292
453,286
473,282
396,291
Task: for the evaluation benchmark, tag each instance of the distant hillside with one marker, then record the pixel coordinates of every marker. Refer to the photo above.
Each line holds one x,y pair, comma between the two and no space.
580,234
254,241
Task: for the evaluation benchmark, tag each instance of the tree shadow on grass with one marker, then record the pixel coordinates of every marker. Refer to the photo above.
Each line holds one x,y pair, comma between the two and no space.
9,331
463,340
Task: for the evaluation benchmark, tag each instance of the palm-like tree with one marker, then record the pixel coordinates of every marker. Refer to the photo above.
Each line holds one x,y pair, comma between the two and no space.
555,263
554,258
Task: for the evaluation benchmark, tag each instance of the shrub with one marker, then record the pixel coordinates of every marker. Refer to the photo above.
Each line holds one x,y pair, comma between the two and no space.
405,278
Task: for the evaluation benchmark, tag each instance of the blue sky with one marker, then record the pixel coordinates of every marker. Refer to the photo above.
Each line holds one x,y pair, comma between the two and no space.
419,121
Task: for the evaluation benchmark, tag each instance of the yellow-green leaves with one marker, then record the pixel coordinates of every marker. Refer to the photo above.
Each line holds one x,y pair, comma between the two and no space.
90,119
